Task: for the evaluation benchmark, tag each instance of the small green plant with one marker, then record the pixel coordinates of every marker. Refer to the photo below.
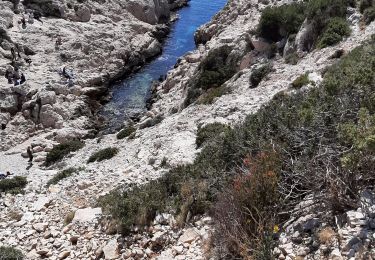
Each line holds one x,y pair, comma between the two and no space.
69,217
127,131
62,175
335,31
321,11
10,253
214,70
369,15
13,185
365,4
258,74
59,151
292,58
208,132
209,96
103,154
280,21
301,81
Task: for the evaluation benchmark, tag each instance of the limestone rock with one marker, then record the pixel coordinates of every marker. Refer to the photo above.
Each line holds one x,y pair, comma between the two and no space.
111,250
42,202
189,236
87,214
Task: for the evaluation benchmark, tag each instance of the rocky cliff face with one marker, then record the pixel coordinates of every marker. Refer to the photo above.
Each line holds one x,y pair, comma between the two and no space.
117,37
96,41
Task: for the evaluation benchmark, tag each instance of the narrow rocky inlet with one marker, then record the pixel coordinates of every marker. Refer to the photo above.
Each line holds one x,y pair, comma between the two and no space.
257,143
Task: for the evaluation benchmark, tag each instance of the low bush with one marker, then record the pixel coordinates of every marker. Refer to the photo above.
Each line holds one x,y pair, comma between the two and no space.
319,12
10,253
336,29
292,58
59,151
258,74
246,212
253,174
365,4
208,97
103,154
69,218
13,185
127,131
369,15
301,81
214,70
278,22
208,132
62,175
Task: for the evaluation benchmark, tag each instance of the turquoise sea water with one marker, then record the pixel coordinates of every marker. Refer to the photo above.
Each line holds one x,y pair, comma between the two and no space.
129,95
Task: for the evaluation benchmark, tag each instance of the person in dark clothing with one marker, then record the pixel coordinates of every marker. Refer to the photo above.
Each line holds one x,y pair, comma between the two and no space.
30,154
23,21
3,176
13,54
23,79
8,76
28,60
16,76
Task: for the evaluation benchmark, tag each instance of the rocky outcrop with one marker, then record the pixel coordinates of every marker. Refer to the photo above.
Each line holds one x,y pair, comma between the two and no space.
97,42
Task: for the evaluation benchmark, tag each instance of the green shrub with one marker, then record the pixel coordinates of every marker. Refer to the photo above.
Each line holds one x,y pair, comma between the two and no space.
10,253
292,58
59,151
209,132
103,154
126,132
135,207
246,211
335,31
69,217
258,74
278,22
214,70
369,15
13,185
62,175
365,4
263,166
321,11
301,81
209,96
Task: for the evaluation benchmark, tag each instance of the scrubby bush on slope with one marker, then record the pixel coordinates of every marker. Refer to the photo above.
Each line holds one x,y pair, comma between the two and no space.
59,151
319,142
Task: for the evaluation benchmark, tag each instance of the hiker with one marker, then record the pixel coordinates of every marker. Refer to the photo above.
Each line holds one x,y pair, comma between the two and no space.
67,74
28,60
13,54
16,76
58,43
3,176
23,79
30,154
23,21
8,76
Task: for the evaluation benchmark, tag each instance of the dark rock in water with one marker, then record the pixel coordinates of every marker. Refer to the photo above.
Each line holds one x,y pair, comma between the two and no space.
161,32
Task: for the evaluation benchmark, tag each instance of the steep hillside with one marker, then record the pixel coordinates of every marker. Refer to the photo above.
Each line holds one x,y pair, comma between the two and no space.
258,145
